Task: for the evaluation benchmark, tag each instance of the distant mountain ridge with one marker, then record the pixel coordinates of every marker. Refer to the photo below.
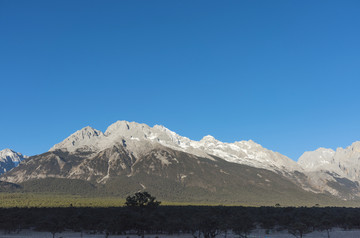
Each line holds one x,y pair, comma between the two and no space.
130,156
10,159
243,152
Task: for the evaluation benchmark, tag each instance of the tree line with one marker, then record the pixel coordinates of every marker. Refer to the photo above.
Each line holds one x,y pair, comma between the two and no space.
201,221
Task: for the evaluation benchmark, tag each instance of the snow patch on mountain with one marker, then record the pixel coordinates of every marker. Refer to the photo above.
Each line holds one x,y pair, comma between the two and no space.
139,138
10,159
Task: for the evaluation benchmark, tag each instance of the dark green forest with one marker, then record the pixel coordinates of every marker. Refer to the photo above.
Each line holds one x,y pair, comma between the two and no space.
204,221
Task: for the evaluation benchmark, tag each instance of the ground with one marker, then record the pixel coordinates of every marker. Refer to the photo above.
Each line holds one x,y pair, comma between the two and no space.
335,233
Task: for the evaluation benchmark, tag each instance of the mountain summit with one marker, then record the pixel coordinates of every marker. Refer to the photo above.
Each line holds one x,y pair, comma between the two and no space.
9,159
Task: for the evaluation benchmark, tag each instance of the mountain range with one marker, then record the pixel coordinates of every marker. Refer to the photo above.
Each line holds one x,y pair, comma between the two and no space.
130,157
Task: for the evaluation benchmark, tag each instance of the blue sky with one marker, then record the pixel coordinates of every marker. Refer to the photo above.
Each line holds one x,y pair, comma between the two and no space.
285,74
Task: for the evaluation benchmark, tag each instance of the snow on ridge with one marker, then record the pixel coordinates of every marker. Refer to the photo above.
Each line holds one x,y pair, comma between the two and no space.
6,152
243,152
14,156
10,159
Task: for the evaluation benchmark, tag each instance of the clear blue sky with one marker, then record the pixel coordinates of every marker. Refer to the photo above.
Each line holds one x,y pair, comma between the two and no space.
285,74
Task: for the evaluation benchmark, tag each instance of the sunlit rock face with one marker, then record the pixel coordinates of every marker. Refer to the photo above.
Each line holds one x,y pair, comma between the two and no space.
345,162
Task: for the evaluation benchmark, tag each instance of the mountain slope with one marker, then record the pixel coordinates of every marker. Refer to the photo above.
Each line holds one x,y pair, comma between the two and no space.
129,157
140,138
169,174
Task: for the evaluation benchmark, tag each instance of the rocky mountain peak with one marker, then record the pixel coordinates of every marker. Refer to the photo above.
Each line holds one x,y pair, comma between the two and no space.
10,159
209,139
84,137
88,132
127,129
6,152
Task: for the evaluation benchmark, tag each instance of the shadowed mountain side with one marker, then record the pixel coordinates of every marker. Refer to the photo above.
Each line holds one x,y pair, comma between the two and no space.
9,187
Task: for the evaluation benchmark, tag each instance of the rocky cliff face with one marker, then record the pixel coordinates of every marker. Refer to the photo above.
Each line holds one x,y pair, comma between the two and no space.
344,162
329,168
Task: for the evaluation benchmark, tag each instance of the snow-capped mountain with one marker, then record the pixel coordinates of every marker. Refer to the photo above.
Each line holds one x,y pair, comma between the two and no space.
136,156
129,157
133,134
307,173
9,159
